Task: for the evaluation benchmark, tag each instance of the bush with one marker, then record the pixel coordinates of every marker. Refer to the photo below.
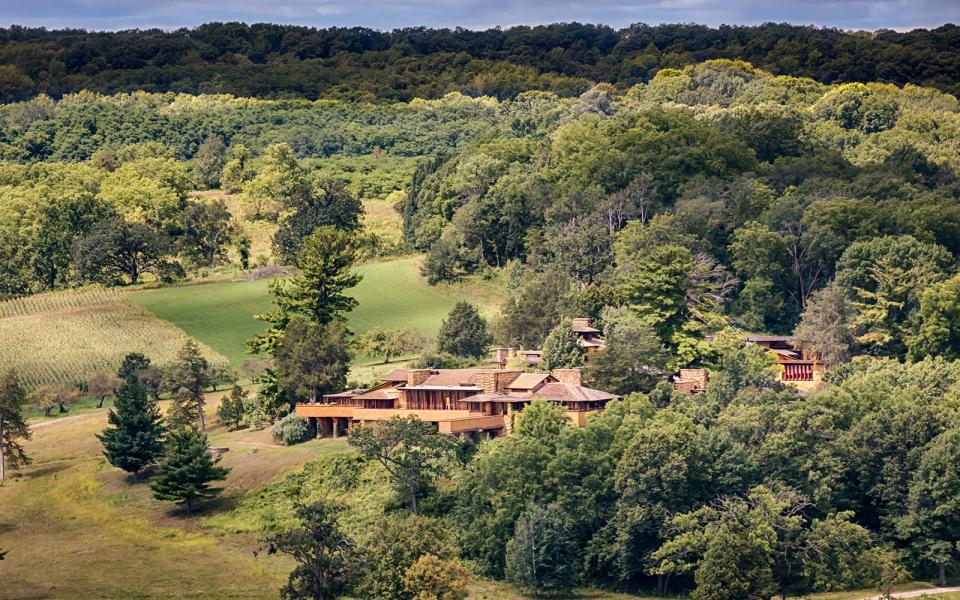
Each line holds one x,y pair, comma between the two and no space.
291,430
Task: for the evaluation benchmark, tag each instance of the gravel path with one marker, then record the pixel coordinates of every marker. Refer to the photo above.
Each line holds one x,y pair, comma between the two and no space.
919,593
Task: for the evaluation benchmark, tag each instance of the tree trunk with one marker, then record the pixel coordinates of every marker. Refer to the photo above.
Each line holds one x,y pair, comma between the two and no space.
413,502
100,405
663,581
3,465
203,424
941,574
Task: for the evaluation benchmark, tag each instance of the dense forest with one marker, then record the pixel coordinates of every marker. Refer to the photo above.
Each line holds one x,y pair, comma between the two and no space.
281,61
714,194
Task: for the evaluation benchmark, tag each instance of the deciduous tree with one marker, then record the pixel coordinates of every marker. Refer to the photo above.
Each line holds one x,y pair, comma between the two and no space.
326,558
541,555
561,349
410,450
100,385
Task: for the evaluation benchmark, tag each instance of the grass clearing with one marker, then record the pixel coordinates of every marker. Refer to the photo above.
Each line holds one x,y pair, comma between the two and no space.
392,294
97,536
66,336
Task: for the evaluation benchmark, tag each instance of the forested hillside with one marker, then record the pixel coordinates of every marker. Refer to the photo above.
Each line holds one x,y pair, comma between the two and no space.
282,61
745,197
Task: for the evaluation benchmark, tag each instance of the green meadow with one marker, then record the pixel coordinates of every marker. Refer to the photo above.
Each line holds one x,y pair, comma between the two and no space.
392,294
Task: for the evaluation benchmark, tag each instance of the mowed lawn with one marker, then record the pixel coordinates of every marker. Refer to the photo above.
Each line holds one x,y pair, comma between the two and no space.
392,294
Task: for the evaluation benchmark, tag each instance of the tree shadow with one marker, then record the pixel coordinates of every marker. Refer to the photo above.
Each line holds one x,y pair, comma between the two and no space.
45,470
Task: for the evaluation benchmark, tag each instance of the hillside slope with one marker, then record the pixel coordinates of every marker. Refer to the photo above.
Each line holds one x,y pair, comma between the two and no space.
392,294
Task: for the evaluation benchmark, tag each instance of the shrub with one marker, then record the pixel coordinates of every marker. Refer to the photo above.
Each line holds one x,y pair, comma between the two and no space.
291,430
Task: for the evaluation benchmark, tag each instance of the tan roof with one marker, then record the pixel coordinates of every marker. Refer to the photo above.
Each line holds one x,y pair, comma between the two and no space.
451,377
495,398
396,375
527,381
565,392
379,394
346,393
787,353
582,328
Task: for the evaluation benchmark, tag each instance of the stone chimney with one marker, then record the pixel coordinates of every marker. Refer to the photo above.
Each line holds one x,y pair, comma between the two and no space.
503,355
697,375
494,381
569,376
417,376
580,322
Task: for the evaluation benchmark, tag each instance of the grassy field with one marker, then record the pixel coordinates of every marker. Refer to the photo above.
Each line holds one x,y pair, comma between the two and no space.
392,294
66,336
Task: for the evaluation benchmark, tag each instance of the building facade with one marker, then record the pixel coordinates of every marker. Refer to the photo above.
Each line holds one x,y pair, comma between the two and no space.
459,401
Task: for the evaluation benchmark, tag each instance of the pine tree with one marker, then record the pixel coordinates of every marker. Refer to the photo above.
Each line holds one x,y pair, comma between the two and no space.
135,436
182,411
187,468
190,375
561,349
12,425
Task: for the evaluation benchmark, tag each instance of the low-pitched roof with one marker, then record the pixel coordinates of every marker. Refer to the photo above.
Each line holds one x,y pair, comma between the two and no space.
567,392
451,377
527,381
378,394
397,375
770,338
582,328
346,393
787,353
495,398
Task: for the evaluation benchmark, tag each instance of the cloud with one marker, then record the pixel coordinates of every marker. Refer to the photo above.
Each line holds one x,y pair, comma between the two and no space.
476,14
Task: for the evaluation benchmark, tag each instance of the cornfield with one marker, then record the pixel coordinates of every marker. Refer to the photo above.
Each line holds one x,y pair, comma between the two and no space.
64,337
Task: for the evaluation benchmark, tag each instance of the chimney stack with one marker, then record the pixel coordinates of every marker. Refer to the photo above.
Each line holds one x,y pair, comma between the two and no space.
417,376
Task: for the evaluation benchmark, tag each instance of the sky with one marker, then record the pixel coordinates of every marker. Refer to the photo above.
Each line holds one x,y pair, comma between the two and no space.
476,14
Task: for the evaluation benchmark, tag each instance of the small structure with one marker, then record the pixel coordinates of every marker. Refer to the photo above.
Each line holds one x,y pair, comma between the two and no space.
588,338
459,401
798,369
691,381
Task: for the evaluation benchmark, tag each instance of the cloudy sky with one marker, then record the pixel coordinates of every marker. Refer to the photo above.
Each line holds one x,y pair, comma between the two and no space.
477,14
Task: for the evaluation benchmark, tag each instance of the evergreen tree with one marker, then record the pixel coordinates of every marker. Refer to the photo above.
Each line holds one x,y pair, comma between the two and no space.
826,327
313,360
182,411
133,363
187,468
561,350
464,332
135,436
317,292
190,375
12,426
